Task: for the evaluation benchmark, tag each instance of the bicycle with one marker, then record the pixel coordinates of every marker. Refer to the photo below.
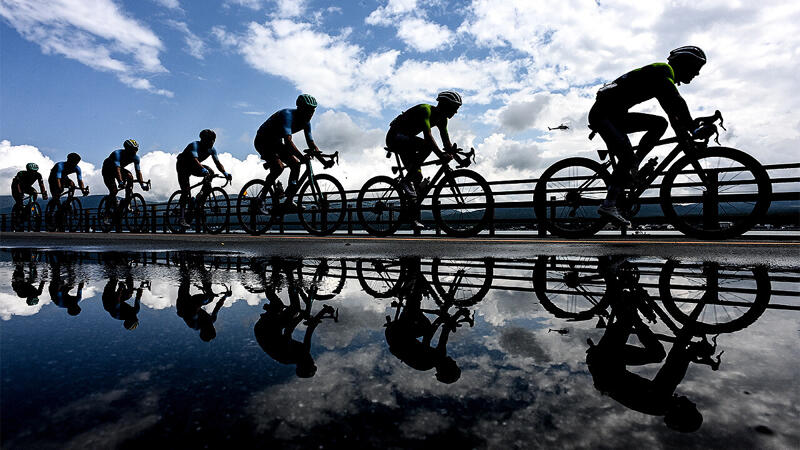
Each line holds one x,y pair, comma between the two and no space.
210,207
708,193
462,201
26,215
66,215
132,209
321,200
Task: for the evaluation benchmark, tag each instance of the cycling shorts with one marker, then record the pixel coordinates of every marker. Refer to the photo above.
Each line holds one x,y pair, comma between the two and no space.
186,168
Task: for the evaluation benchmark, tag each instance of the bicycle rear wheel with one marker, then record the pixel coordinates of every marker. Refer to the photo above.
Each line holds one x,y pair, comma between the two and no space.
380,277
381,206
323,278
323,205
570,287
214,214
51,215
462,203
105,210
254,207
730,298
735,194
135,213
173,213
17,218
567,196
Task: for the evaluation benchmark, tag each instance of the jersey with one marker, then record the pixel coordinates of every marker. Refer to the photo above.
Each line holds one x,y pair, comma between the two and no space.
195,150
62,169
284,123
652,81
26,178
120,158
418,119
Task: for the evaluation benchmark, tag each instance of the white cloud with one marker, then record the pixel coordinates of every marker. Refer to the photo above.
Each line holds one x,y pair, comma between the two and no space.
171,4
283,8
13,158
98,34
194,44
412,26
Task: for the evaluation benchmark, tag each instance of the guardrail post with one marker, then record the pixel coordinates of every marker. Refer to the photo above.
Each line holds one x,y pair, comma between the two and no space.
349,219
491,224
153,214
711,201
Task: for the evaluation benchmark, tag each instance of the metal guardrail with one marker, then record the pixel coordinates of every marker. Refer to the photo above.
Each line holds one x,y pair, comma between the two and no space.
509,195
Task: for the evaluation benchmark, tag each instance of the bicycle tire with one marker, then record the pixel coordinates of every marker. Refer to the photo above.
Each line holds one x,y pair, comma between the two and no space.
462,187
458,288
103,211
35,217
569,287
332,205
17,221
255,213
50,215
214,213
740,174
173,213
749,299
563,205
328,276
135,210
386,279
381,206
73,213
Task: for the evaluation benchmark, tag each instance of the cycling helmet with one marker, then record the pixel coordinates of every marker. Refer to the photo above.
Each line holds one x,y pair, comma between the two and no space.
450,97
208,135
33,167
73,158
305,100
131,144
689,54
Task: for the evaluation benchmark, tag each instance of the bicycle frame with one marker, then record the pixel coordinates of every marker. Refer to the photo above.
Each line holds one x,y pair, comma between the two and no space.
444,169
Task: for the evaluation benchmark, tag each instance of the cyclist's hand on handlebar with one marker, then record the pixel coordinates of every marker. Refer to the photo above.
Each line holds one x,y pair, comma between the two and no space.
121,185
44,195
228,176
85,191
205,172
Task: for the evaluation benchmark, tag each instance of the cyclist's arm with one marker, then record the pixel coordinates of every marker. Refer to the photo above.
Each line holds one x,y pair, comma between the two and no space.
309,139
80,178
138,170
445,135
216,161
678,112
41,187
295,152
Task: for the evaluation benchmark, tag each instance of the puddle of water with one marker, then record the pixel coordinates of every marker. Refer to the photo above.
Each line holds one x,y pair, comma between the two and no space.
192,349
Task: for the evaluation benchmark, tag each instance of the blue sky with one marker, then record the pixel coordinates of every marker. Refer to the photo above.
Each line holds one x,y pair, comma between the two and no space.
78,75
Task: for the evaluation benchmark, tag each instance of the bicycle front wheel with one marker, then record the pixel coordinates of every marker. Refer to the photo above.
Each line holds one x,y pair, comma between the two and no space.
135,214
254,207
570,287
173,213
380,277
380,206
462,203
718,193
322,278
567,196
323,205
214,213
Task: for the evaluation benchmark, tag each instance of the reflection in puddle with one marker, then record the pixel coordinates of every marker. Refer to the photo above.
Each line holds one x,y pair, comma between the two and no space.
480,352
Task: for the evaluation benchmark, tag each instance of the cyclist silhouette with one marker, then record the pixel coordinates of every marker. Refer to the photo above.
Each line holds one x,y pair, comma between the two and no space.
25,287
61,286
609,359
115,296
190,306
411,333
274,328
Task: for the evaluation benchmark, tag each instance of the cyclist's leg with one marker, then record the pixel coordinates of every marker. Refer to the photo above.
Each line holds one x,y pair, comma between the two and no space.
610,127
408,147
54,189
266,148
110,180
18,195
653,126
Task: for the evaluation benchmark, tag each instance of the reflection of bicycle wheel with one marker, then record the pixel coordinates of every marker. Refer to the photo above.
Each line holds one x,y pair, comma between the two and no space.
135,213
731,298
570,287
462,203
567,196
254,207
322,277
464,282
379,277
736,183
214,214
380,206
322,203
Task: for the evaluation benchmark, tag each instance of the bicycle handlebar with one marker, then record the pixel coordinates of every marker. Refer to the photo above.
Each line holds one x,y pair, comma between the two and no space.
704,127
328,160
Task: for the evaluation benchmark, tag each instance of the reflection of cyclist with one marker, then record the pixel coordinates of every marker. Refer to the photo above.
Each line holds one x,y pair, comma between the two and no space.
274,328
413,150
608,361
24,286
190,163
115,296
59,175
22,183
115,173
274,143
610,118
404,333
190,307
59,287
